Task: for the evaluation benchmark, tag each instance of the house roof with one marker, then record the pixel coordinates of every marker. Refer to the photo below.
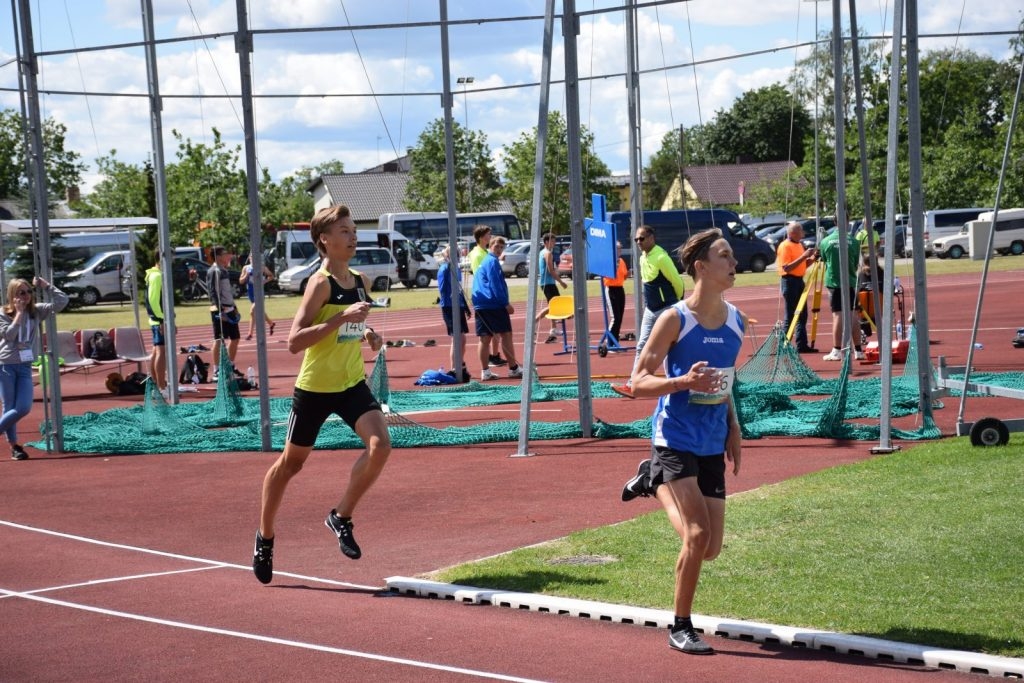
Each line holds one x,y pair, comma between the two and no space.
720,183
367,194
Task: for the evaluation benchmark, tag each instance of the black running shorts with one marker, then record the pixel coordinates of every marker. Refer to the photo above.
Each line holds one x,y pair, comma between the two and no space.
667,464
310,409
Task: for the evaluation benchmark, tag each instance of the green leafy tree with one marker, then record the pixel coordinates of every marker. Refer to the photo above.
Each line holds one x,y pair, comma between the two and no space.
126,190
813,79
667,164
767,124
206,194
476,181
520,163
284,202
63,167
289,201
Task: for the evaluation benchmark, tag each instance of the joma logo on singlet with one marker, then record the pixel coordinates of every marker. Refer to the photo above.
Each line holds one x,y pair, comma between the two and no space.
713,340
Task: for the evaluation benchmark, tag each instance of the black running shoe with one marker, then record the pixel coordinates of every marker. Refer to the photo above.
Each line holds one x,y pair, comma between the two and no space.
263,559
18,453
689,641
496,361
640,484
342,528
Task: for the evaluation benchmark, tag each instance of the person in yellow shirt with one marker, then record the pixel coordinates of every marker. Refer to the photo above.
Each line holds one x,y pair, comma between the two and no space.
792,259
663,286
329,328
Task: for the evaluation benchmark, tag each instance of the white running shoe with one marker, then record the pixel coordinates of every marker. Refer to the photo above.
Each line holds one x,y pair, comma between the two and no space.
518,372
834,354
487,375
858,355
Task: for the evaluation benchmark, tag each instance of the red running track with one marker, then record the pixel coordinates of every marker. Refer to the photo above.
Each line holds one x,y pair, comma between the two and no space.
137,567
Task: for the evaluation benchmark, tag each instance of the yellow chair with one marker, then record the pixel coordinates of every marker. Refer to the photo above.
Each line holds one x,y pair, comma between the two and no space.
560,308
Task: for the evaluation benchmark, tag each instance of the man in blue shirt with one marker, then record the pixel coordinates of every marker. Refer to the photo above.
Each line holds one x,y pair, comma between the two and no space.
493,311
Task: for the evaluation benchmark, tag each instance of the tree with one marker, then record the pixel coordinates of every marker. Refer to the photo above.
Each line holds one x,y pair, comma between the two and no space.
206,194
289,201
767,124
476,180
813,79
126,190
667,164
285,202
520,163
63,167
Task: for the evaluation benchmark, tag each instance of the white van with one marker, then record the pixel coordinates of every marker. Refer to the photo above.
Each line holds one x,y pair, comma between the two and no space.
376,263
100,278
973,237
74,248
942,223
415,269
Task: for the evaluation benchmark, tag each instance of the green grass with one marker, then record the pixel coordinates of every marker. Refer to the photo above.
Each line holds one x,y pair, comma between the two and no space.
923,546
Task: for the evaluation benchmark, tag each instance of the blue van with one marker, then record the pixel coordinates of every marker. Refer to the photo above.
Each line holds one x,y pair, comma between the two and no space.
673,228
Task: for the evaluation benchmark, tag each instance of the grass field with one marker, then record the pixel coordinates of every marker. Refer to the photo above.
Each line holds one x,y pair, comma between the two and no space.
922,546
282,307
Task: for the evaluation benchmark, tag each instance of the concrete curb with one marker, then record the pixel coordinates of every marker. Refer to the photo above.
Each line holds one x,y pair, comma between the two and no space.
828,641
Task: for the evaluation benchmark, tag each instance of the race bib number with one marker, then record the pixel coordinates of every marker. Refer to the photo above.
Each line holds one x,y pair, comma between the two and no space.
26,355
351,331
727,376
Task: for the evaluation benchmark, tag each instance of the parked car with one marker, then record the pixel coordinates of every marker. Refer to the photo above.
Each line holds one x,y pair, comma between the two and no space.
775,236
564,263
673,227
189,276
376,263
765,229
101,278
516,259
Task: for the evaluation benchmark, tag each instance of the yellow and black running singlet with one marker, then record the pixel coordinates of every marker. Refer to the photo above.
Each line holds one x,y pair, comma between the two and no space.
335,363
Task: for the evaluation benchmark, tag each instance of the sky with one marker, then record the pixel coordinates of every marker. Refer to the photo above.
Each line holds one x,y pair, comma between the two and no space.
385,81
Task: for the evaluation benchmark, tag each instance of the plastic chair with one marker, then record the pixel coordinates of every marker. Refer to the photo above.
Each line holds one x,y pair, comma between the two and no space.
129,345
84,339
70,350
560,308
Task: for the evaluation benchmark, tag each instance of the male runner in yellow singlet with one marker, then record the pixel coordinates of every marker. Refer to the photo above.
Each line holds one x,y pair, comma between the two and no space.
329,327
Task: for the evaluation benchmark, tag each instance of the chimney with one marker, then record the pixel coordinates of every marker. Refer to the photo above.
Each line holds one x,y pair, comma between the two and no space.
72,194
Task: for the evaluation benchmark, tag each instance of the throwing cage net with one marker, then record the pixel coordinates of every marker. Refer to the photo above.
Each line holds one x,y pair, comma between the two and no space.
776,394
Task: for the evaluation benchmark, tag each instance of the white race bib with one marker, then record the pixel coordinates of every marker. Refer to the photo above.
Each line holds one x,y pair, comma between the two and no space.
351,331
728,375
26,355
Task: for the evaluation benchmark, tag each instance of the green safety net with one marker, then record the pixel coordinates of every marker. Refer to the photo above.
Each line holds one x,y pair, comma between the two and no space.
776,394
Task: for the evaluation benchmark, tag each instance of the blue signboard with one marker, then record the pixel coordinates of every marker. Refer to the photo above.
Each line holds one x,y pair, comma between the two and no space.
602,247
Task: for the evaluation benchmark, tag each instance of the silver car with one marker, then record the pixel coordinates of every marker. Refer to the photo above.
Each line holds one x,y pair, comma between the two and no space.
376,263
516,259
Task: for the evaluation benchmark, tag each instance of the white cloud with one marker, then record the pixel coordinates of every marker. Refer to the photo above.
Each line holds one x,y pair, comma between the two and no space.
362,131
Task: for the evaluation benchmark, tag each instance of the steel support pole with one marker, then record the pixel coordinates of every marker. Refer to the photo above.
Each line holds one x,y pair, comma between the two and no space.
243,45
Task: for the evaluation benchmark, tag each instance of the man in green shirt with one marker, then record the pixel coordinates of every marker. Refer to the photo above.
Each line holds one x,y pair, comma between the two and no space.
154,306
833,260
663,286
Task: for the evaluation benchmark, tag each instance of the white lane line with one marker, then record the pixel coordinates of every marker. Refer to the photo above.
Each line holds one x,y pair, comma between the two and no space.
186,558
269,639
114,579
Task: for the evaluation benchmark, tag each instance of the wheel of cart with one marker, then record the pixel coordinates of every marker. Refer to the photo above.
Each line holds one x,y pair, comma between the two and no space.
989,431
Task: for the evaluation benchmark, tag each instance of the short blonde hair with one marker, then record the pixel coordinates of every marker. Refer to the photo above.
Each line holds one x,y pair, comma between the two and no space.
323,220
